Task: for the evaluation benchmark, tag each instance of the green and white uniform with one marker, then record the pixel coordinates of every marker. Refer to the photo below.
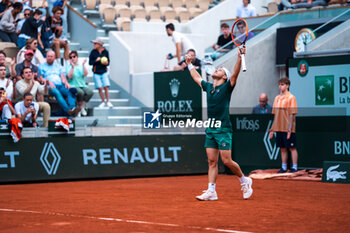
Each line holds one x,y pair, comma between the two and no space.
218,101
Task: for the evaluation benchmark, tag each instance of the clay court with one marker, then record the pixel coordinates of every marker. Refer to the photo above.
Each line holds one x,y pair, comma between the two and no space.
168,204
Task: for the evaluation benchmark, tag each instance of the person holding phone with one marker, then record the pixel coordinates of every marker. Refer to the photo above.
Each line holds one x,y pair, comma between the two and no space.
27,110
6,107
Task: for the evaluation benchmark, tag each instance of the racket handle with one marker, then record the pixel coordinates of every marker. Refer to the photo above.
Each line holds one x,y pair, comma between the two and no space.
244,66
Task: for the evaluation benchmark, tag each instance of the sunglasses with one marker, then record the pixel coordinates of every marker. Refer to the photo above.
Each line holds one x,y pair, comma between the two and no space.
26,14
72,57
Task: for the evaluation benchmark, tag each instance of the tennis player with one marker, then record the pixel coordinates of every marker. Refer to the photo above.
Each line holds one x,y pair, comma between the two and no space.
218,140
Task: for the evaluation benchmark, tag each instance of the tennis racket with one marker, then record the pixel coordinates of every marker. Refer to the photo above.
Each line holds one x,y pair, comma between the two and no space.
239,35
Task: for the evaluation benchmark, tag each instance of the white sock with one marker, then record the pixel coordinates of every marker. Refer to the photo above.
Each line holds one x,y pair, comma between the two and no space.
284,166
242,179
211,187
295,166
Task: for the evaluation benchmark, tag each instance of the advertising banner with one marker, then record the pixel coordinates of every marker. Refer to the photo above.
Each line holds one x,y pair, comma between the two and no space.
177,96
318,139
336,172
43,159
321,83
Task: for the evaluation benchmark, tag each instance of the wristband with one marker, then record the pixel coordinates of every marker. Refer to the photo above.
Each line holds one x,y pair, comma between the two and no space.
190,67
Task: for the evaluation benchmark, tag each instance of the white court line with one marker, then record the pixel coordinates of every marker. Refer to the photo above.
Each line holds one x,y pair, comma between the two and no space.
121,220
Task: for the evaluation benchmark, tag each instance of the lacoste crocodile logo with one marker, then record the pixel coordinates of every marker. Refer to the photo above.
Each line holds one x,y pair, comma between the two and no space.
334,175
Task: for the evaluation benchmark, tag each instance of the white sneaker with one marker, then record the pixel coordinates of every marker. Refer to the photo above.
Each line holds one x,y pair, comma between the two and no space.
109,104
247,188
83,112
102,105
207,196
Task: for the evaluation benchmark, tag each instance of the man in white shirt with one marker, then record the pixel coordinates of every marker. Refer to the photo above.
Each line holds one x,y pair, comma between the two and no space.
182,43
27,111
6,83
245,10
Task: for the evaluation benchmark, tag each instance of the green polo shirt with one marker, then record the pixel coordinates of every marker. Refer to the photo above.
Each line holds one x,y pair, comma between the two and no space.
218,101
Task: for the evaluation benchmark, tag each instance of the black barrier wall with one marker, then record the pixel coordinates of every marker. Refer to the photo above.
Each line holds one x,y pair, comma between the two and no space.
318,139
39,159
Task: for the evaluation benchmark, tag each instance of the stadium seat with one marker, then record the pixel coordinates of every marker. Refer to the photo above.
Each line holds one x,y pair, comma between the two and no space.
184,16
109,2
169,16
155,16
124,13
121,2
135,2
177,3
191,4
101,7
272,7
109,15
38,3
163,3
90,4
149,3
119,7
203,4
123,24
140,15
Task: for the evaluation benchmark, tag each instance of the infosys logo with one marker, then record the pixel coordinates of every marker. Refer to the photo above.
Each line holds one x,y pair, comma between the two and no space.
245,124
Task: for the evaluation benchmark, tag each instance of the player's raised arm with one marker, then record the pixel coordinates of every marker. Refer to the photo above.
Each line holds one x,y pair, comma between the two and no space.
195,75
237,68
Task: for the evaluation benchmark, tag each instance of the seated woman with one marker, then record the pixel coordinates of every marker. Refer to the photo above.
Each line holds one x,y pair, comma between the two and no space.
31,44
75,74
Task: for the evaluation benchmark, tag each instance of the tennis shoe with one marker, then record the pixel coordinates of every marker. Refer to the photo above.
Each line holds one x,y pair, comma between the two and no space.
292,170
102,105
109,104
207,196
282,171
247,188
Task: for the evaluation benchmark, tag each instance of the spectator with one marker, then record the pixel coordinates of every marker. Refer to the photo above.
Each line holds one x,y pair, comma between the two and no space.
245,10
285,109
32,44
263,107
56,23
294,4
182,43
76,73
195,61
26,14
6,107
223,39
99,60
28,57
29,85
10,70
8,23
242,30
58,84
25,3
4,6
27,111
30,28
6,83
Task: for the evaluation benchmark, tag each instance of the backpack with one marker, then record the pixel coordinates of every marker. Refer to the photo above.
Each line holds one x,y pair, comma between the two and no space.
47,36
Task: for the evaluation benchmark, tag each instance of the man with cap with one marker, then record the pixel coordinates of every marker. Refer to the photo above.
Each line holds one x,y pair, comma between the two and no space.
28,57
218,139
99,60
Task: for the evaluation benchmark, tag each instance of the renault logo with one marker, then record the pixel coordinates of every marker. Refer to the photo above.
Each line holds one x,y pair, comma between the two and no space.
50,158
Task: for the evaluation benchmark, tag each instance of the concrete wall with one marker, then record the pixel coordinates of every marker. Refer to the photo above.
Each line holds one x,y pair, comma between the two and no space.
337,38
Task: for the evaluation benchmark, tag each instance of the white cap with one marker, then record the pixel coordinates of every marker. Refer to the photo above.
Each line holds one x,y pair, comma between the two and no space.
228,74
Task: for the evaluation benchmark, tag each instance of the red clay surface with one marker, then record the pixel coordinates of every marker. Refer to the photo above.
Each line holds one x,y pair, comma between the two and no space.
168,204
